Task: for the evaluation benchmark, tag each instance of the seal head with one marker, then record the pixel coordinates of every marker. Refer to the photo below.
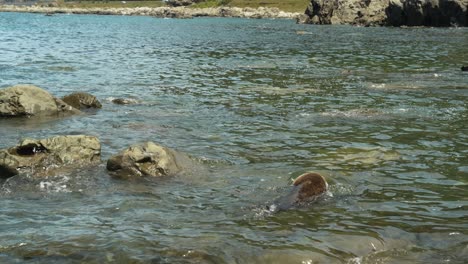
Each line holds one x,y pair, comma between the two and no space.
310,185
306,188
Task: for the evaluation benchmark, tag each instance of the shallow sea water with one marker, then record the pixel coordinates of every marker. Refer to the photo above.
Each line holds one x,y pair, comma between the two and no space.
381,112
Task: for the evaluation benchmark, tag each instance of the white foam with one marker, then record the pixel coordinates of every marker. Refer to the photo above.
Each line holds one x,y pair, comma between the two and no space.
55,185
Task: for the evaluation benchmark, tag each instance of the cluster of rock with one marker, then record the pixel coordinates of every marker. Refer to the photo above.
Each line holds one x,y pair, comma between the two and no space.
388,12
162,12
61,154
42,157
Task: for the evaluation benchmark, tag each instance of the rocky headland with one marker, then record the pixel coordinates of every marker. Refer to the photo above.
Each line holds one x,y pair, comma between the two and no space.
161,12
433,13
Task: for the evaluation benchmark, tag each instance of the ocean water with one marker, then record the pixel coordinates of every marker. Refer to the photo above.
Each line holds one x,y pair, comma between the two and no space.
381,112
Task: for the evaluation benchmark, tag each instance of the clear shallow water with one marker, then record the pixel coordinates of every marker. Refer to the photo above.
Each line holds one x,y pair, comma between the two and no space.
381,112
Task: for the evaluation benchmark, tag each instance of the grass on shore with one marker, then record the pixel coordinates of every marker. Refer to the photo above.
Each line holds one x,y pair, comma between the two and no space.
285,5
109,4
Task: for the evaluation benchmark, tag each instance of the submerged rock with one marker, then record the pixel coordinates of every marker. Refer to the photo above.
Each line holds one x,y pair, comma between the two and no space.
124,101
306,188
146,159
389,12
40,157
29,100
82,100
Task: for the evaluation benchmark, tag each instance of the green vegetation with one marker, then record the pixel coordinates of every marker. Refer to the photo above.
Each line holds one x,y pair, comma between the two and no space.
285,5
110,4
211,3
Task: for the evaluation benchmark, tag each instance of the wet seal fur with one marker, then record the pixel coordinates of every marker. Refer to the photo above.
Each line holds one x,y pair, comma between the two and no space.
306,188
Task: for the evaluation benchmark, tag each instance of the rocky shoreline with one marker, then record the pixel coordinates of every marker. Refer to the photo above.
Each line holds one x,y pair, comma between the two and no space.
161,12
429,13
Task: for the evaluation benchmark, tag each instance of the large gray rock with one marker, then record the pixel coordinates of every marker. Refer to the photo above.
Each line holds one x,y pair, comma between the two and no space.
147,159
435,13
82,100
370,12
389,12
29,100
41,157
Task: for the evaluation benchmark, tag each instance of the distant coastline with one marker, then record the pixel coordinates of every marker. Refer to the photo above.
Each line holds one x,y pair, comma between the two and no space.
162,12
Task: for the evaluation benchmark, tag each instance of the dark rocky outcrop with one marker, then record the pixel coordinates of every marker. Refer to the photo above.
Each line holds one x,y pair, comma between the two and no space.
82,101
438,13
42,157
147,159
29,100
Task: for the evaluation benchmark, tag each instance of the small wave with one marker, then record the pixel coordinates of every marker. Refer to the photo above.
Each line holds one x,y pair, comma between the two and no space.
392,86
355,113
57,185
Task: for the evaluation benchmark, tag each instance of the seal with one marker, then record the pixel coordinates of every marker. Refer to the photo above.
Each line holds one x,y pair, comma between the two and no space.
306,188
310,185
464,68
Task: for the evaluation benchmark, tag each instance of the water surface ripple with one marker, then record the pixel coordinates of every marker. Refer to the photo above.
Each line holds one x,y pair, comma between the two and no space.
381,112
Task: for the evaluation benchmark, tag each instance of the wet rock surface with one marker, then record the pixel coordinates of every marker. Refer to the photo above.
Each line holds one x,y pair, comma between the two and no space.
42,157
29,100
146,159
82,101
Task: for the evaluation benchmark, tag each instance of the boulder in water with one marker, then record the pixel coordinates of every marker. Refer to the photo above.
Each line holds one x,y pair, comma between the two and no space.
146,159
82,100
29,100
41,157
